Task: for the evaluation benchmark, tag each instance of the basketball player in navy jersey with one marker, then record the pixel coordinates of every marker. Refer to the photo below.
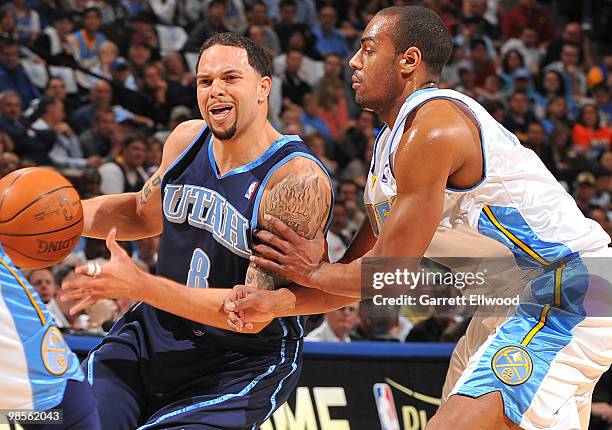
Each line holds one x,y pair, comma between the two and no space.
170,362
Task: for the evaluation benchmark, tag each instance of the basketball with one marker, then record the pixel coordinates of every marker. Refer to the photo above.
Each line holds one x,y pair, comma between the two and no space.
41,218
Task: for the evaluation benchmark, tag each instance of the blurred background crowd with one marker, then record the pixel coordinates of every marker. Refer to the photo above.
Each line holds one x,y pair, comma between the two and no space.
93,88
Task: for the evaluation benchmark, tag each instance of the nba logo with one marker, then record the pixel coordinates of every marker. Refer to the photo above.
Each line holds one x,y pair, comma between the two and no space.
386,407
251,190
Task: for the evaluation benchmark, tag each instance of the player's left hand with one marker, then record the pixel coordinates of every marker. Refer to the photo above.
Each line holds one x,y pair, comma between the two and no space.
119,278
246,305
285,252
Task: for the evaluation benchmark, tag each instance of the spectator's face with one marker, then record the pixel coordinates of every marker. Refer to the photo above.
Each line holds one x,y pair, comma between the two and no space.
570,55
107,53
287,14
139,54
479,53
339,219
376,62
519,104
294,61
603,183
327,18
8,22
333,66
154,154
467,78
317,145
589,116
572,33
174,64
11,107
135,154
602,97
520,84
217,12
101,94
56,89
43,282
231,94
92,21
492,84
152,77
105,124
606,161
55,112
259,14
343,320
557,108
513,60
63,26
529,37
256,34
348,192
585,191
297,41
9,162
9,56
536,134
551,82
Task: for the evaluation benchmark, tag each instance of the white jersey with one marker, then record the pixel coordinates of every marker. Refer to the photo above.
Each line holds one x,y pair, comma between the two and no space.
518,203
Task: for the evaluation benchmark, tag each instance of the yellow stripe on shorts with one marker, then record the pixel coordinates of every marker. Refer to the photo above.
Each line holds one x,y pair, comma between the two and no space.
41,316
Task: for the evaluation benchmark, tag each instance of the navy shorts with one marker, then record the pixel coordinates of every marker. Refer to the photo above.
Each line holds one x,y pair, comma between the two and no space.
163,380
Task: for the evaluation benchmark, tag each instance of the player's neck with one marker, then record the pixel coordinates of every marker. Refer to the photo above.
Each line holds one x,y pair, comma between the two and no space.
390,114
244,147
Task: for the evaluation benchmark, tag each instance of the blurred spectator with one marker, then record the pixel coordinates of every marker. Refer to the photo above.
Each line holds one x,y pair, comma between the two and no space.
357,138
527,45
347,191
139,31
511,61
376,323
154,90
56,88
584,191
45,285
336,326
100,96
519,116
154,155
6,143
98,140
316,142
570,68
28,21
333,107
556,116
54,44
601,97
483,66
438,328
294,88
258,15
234,17
601,73
89,184
121,76
334,66
491,91
107,53
178,114
588,132
528,14
603,187
181,82
29,144
338,237
9,162
125,174
213,23
357,169
468,33
8,25
572,34
329,38
66,151
287,26
537,140
146,253
310,121
87,41
467,78
12,74
550,85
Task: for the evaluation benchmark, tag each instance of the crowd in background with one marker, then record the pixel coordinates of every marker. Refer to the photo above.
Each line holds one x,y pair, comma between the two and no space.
94,88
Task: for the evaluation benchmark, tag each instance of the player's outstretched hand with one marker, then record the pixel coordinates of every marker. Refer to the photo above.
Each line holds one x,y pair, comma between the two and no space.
285,252
119,278
246,305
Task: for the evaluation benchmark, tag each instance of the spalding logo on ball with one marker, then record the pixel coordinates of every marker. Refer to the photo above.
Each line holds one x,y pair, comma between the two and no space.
41,217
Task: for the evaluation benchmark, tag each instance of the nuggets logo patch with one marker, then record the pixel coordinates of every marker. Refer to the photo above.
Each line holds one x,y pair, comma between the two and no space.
54,351
512,365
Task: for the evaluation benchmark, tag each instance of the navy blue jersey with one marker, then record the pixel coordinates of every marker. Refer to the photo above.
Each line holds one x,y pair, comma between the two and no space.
208,223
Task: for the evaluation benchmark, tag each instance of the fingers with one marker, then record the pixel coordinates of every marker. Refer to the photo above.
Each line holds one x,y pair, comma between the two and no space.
112,245
267,264
274,240
269,253
82,305
282,229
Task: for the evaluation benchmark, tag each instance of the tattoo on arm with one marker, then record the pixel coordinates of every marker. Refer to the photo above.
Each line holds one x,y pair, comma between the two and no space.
148,189
302,201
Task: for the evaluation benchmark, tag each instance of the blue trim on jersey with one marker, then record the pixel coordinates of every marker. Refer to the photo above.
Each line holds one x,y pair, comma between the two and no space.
90,370
280,385
512,220
276,145
217,400
193,142
373,166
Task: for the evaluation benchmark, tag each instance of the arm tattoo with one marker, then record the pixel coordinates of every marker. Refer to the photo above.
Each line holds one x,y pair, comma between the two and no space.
302,201
148,189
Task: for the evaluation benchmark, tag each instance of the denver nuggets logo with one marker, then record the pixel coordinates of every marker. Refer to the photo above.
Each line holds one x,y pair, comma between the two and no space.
512,365
54,351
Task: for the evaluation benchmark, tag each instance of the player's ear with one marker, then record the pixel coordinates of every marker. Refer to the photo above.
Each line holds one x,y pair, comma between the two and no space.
410,60
263,89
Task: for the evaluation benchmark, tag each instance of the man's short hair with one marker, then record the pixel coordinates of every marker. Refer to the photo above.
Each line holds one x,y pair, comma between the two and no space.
257,57
422,28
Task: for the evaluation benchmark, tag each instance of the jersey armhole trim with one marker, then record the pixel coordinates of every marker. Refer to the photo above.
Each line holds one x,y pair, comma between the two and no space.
185,152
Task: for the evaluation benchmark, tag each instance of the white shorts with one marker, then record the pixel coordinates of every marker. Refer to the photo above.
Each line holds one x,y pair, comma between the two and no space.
544,359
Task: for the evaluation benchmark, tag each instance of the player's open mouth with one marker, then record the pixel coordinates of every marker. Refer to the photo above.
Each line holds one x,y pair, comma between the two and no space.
220,113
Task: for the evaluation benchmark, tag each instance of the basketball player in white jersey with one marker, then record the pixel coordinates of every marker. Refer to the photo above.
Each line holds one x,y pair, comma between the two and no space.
443,164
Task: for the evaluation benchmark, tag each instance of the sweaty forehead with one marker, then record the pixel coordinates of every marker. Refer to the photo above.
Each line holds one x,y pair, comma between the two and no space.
376,30
219,58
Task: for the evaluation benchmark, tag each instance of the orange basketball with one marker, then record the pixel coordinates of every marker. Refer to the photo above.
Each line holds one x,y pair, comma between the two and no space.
41,218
